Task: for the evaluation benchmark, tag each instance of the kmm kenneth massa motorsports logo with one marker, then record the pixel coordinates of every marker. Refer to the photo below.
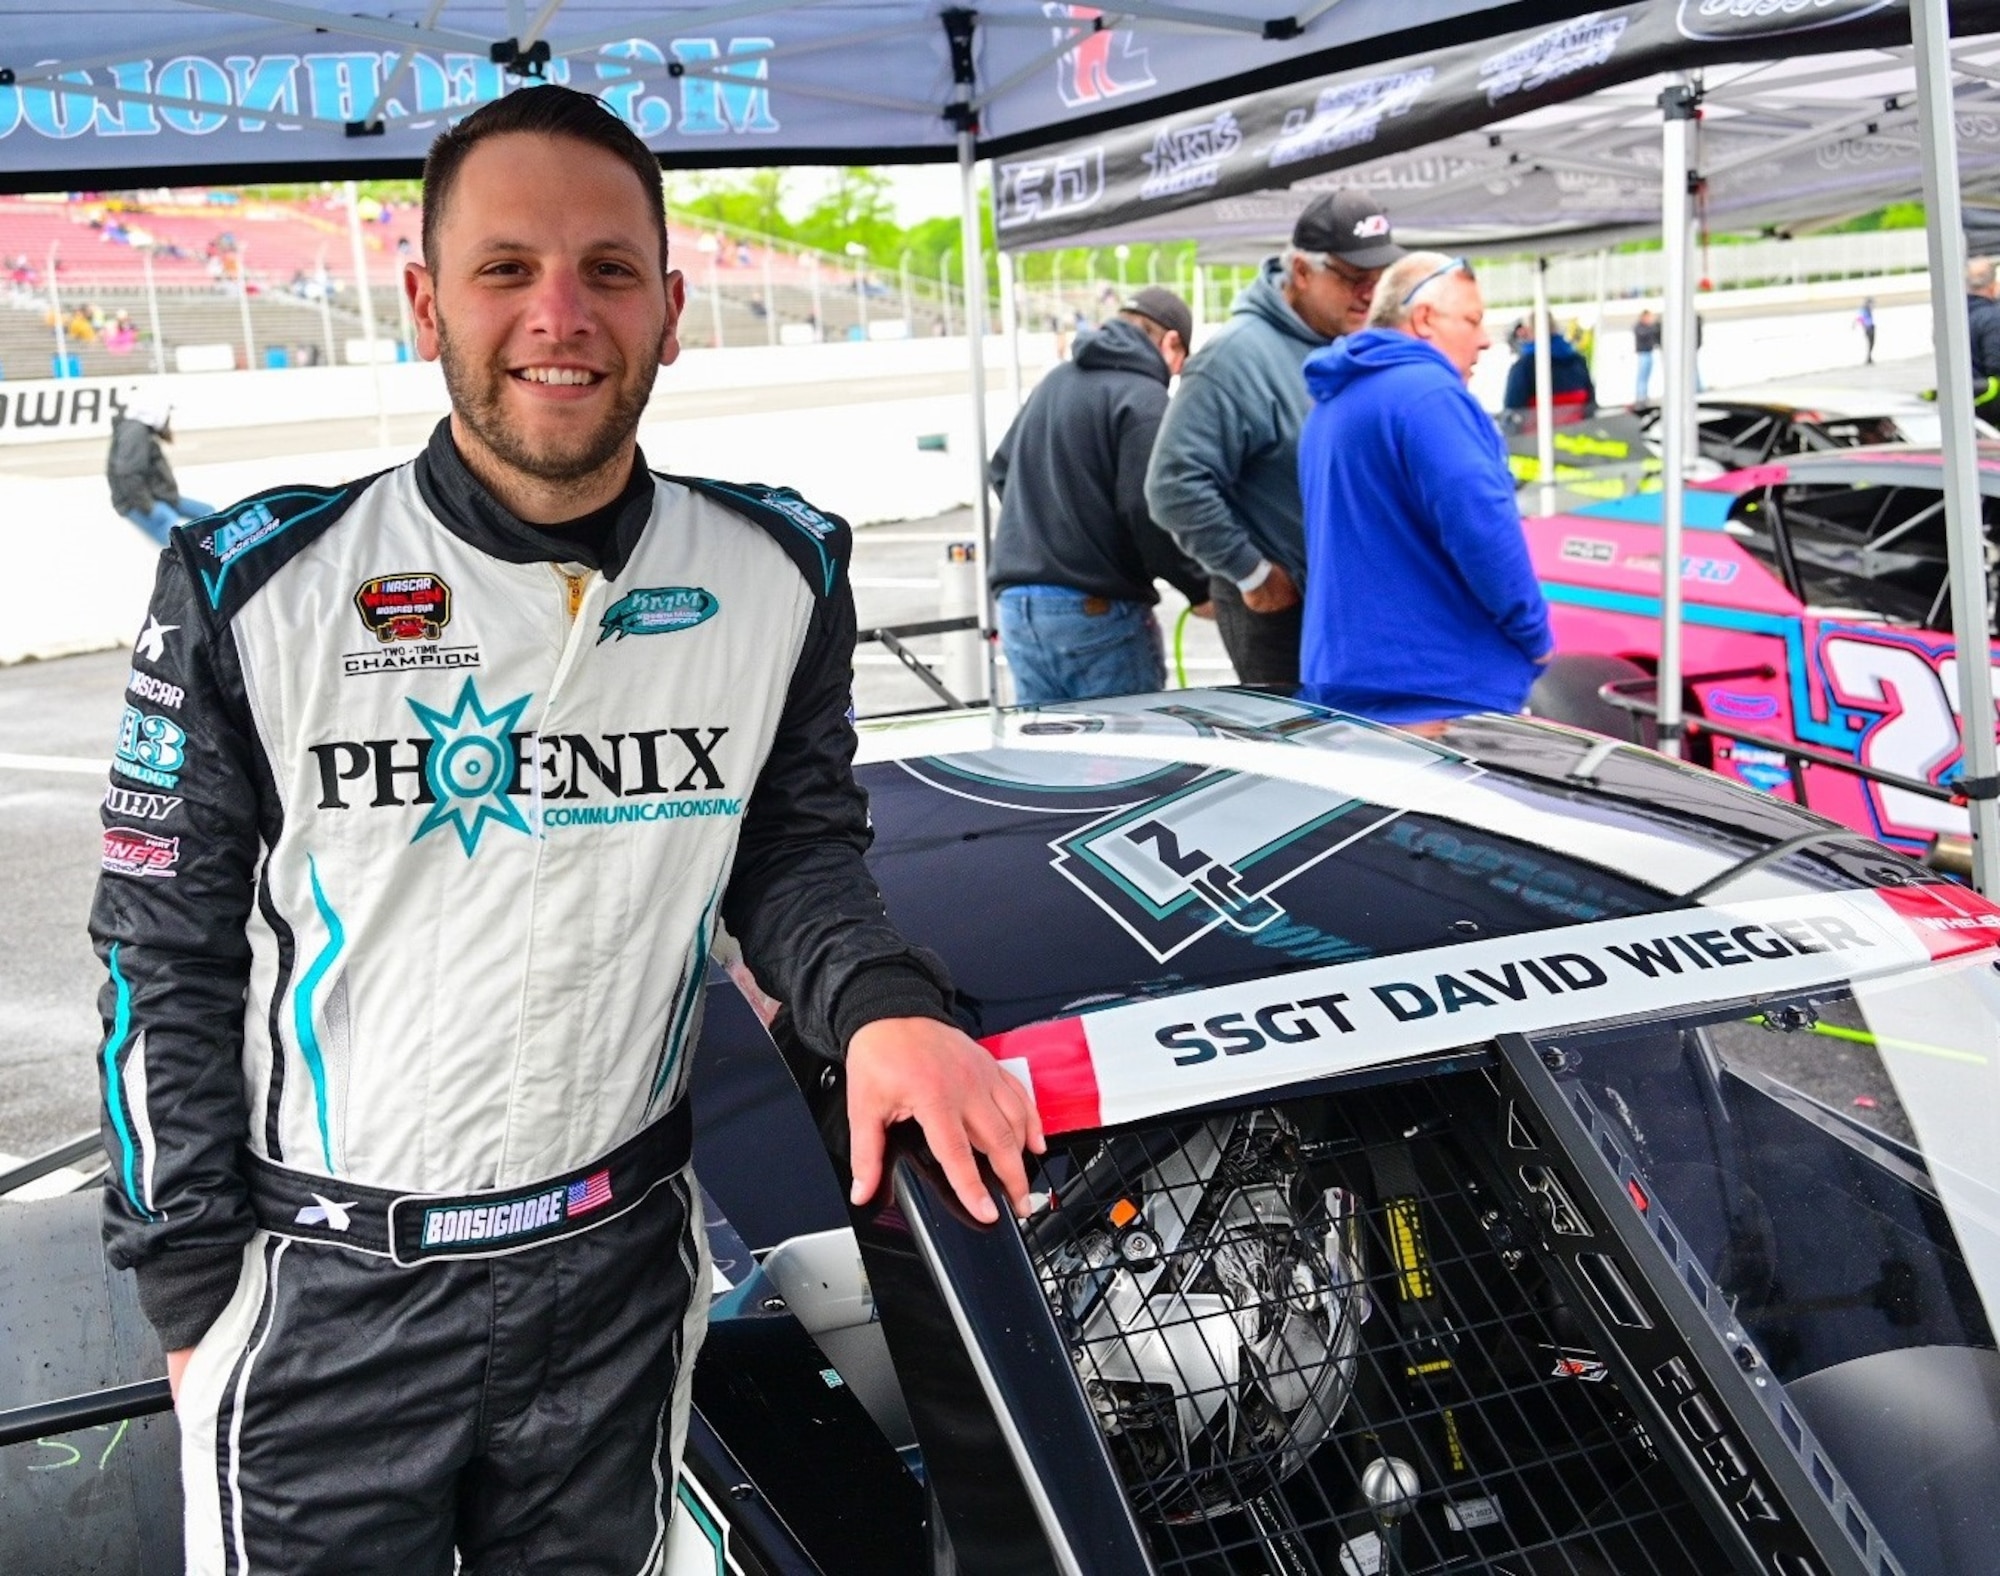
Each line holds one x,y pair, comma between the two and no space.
657,610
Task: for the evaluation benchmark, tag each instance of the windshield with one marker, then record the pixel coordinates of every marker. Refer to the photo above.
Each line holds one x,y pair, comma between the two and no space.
1820,1172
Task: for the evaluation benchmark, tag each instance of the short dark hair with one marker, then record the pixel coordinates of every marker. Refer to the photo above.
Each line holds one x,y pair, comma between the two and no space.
548,110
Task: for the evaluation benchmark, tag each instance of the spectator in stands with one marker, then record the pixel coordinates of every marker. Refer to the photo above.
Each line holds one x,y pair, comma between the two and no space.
1421,601
143,488
1224,477
1076,553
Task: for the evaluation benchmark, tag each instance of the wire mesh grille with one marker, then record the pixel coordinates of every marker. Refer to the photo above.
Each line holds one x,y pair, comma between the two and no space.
1314,1345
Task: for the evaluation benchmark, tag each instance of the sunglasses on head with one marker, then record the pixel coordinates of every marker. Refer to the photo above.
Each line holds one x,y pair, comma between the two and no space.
1452,266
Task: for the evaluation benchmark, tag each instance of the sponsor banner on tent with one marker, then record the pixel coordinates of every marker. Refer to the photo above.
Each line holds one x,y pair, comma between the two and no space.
85,87
1228,157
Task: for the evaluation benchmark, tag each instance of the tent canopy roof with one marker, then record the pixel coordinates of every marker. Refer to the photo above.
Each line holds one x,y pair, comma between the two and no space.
1550,138
98,92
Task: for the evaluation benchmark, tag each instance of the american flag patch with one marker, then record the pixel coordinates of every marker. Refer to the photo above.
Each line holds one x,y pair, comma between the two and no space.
591,1193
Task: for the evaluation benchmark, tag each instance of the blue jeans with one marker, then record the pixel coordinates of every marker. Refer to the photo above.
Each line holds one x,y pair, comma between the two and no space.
1063,645
157,521
1645,375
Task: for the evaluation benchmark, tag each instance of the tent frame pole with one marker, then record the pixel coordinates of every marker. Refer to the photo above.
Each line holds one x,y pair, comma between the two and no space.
1950,334
1010,324
366,300
1545,402
1679,106
972,244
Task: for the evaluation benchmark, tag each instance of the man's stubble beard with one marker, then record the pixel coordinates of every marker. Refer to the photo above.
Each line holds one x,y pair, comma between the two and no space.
479,405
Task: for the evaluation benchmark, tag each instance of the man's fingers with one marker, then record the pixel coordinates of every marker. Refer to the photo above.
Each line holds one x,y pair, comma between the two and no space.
953,1148
865,1140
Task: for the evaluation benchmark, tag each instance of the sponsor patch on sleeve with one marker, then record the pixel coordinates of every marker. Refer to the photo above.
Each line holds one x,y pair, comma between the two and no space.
131,852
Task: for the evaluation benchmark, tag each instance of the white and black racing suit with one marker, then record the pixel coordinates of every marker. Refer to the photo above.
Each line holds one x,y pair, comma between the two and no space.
415,848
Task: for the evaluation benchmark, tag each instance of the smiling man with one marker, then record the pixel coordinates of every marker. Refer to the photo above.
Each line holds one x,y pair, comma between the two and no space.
432,796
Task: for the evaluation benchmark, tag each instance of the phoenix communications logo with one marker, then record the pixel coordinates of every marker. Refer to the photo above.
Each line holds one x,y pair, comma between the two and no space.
476,767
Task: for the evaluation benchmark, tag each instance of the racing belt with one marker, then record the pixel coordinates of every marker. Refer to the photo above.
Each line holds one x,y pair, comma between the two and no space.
415,1228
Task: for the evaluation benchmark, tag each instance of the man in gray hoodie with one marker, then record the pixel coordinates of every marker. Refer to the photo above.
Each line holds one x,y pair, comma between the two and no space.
1224,474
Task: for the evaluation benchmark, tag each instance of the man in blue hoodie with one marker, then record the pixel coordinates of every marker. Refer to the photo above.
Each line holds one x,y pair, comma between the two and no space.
1422,601
1224,478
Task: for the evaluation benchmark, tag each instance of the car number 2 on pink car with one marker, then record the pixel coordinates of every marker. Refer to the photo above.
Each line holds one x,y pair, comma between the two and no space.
1816,612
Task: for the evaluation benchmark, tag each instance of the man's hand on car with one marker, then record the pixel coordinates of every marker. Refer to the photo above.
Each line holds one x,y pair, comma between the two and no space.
1275,595
901,1068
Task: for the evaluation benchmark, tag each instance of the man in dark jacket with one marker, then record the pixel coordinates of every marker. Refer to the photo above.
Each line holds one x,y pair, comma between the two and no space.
1982,313
1224,478
143,488
1423,603
1076,553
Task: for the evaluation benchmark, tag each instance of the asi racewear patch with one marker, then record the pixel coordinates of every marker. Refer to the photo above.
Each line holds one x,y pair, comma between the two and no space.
1148,1058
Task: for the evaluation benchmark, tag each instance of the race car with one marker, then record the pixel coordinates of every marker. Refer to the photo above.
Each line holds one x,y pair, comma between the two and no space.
1617,451
1497,1148
1738,429
1817,613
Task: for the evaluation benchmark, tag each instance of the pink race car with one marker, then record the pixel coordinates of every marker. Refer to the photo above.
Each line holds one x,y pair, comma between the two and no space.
1826,570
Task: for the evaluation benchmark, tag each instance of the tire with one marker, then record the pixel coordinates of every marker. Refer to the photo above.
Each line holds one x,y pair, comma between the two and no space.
1567,692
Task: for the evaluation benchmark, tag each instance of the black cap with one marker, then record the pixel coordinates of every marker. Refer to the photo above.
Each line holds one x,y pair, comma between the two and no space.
1347,225
1162,306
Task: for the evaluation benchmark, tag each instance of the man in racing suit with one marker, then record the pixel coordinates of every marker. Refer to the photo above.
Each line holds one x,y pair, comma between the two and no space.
432,794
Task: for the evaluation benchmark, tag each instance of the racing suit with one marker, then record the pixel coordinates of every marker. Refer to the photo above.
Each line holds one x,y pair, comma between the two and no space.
415,849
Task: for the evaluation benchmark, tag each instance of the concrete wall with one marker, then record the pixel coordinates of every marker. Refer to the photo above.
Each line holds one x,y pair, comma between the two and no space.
42,411
83,575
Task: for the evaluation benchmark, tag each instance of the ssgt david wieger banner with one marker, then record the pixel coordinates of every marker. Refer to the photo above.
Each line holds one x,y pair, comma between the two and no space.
1176,1052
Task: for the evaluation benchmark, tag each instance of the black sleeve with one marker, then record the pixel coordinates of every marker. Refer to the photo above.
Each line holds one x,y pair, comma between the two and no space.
801,902
180,851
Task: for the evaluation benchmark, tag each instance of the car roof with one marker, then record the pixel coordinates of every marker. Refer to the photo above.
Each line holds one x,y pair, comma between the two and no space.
1840,404
1119,858
1882,465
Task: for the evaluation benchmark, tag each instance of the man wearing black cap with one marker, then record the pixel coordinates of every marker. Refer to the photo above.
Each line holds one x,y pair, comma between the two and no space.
1224,475
1076,553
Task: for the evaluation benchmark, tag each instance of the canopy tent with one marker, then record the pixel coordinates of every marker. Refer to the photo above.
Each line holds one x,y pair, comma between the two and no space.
1781,143
98,93
1542,131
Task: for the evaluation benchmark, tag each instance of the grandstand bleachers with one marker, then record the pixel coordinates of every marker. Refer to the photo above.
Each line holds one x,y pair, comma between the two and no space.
200,241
